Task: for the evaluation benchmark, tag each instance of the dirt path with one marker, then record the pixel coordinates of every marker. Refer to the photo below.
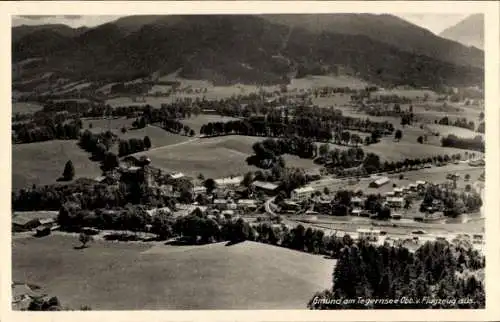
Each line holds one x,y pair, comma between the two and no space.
168,146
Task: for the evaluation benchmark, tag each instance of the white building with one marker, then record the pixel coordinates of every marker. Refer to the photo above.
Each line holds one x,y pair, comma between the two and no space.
229,182
247,204
302,193
395,202
177,175
267,187
379,182
199,190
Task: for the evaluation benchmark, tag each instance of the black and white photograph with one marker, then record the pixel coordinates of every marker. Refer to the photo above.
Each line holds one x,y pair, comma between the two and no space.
234,161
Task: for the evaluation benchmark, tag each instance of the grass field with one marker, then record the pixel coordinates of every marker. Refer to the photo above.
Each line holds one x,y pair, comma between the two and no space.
327,81
120,276
26,107
158,136
43,162
213,157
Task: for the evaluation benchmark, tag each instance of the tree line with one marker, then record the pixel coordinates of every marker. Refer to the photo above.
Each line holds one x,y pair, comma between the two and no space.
133,145
319,128
459,122
477,143
88,194
45,130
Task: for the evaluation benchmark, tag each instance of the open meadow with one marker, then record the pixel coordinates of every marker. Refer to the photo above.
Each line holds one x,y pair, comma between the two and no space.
213,157
43,163
112,275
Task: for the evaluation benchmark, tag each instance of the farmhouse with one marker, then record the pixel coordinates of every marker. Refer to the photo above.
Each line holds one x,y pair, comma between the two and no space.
156,211
247,204
357,202
22,295
377,183
229,182
177,175
395,202
420,183
266,187
199,190
23,223
398,192
302,193
356,212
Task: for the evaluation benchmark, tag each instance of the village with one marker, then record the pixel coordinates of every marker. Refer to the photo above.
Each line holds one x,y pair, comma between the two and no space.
315,204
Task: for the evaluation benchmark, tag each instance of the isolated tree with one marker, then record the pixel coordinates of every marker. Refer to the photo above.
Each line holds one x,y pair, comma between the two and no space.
124,130
326,191
90,125
398,135
84,239
468,188
69,171
420,140
147,142
210,185
110,162
467,177
201,177
247,179
191,132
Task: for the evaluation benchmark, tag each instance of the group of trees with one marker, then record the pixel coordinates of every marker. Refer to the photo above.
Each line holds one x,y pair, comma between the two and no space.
97,144
309,122
269,151
178,128
72,217
133,145
88,194
477,143
387,272
337,158
45,130
459,122
451,201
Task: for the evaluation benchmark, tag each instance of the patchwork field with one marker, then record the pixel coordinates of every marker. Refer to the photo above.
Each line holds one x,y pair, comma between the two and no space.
119,276
213,157
326,81
390,150
43,162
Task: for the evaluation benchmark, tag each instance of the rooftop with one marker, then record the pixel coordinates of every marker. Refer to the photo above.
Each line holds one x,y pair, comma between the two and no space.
303,190
265,185
177,175
229,180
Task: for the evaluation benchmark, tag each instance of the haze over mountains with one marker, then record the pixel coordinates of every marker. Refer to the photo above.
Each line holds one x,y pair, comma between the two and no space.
469,32
249,49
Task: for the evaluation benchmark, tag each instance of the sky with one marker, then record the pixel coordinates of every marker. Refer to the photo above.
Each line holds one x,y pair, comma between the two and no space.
431,21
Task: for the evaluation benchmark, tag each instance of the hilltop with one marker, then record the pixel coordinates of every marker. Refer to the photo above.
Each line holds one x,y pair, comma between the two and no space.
469,31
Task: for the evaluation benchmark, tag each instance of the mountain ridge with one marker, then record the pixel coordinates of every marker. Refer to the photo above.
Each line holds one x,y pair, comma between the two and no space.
236,48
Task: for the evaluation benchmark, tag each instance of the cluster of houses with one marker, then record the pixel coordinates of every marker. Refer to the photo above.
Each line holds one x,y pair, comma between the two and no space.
41,223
